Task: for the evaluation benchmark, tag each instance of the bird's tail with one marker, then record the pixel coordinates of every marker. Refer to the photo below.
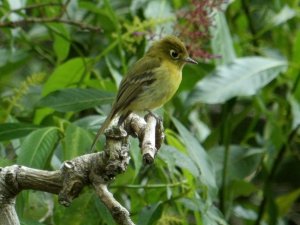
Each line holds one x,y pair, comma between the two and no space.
103,127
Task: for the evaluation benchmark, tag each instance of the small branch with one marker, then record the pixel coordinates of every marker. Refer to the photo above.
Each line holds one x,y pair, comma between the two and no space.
20,23
148,145
149,131
118,212
150,186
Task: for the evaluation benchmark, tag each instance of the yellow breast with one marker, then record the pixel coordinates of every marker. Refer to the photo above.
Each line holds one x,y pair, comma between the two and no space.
168,77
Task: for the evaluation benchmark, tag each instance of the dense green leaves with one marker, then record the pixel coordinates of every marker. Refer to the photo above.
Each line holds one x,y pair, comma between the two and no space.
75,99
242,77
231,149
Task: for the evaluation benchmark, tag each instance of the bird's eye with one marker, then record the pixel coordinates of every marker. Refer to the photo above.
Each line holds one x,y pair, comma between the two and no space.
174,54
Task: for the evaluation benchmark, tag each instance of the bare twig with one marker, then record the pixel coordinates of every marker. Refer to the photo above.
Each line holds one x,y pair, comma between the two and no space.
20,23
56,19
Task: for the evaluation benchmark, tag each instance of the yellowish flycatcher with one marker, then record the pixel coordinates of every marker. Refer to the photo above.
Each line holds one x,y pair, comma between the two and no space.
150,82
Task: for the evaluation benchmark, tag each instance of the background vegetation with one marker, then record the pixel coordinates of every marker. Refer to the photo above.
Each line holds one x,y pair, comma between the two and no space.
231,154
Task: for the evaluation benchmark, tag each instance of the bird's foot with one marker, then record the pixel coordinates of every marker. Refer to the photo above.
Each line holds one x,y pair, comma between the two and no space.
150,113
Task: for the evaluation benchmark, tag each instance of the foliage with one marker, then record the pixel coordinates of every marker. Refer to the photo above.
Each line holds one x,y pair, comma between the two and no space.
230,155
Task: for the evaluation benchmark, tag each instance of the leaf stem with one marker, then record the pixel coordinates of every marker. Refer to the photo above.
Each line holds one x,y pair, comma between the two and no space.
226,136
246,8
150,186
268,183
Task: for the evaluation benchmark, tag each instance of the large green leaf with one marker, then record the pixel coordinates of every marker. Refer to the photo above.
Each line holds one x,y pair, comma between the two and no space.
285,14
75,99
199,156
61,44
241,161
76,142
66,75
38,147
243,77
174,157
10,131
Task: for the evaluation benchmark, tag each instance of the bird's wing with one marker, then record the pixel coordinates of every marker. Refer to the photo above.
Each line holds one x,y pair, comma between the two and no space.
138,77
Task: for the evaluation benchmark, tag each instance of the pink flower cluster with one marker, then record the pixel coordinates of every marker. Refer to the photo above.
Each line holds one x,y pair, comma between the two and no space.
193,26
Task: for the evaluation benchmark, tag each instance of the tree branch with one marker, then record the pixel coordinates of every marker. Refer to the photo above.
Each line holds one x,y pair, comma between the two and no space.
20,23
98,169
57,19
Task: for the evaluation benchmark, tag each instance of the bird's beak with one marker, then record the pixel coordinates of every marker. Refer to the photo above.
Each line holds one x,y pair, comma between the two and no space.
190,60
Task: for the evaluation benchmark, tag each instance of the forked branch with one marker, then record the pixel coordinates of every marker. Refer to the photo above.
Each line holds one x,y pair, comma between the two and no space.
96,169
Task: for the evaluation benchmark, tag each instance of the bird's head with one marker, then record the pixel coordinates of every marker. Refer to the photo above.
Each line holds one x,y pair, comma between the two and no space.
173,49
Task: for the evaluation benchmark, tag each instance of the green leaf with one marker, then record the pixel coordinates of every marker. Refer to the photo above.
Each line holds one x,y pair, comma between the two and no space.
295,106
160,10
240,188
198,155
5,162
150,214
221,42
104,18
245,213
103,212
9,131
113,71
173,158
136,156
30,222
76,142
82,211
92,123
66,75
61,44
242,162
37,147
285,202
244,77
75,99
10,60
284,15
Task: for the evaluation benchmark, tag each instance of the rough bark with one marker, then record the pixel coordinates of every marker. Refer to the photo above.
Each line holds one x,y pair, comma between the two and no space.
95,169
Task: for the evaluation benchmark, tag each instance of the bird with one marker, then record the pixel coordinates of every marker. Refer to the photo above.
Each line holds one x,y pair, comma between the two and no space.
150,82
